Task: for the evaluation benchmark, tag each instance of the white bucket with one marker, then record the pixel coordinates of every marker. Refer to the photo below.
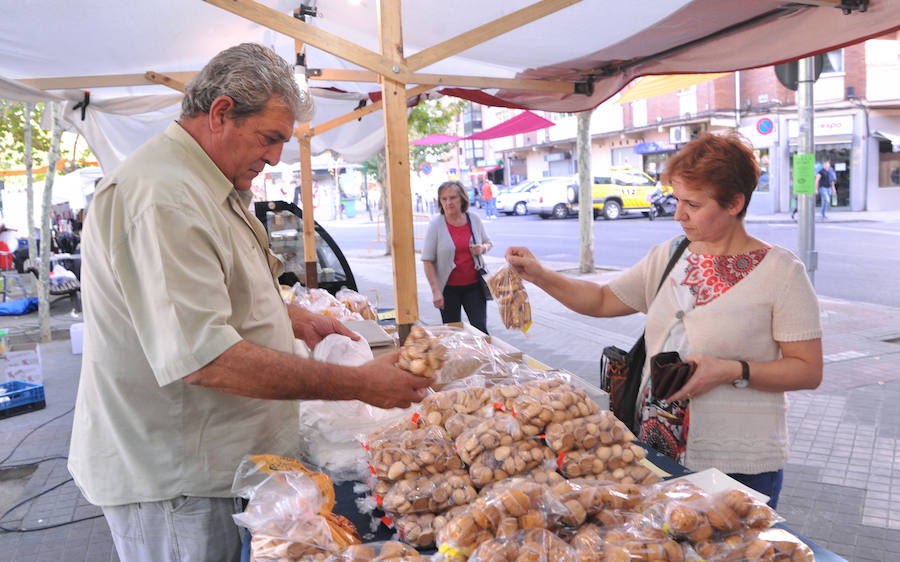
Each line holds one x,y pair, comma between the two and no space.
76,334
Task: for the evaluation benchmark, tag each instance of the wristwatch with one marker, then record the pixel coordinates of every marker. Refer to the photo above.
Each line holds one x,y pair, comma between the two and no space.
744,381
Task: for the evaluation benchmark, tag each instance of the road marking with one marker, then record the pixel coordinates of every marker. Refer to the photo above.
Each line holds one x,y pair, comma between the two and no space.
868,230
843,356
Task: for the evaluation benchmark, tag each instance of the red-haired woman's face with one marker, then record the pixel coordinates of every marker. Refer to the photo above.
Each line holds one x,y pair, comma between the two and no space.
700,215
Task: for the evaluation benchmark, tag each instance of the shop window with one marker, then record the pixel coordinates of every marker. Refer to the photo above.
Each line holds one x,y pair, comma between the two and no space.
888,165
762,160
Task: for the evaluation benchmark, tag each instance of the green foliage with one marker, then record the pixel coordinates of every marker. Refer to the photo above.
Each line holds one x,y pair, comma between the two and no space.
428,118
12,135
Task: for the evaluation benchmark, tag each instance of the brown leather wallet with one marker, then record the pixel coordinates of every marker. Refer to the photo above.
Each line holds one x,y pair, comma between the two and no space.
668,373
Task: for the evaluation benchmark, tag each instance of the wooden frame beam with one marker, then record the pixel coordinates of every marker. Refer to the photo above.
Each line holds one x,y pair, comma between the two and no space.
361,112
101,81
449,80
165,80
309,34
484,33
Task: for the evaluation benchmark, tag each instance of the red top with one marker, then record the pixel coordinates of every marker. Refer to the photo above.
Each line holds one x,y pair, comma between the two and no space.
464,272
486,192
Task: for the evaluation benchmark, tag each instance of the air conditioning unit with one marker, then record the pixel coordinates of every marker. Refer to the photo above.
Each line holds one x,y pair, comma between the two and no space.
680,134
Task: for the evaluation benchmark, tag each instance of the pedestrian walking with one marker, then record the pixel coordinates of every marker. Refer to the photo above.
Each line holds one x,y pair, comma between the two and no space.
825,183
488,196
452,256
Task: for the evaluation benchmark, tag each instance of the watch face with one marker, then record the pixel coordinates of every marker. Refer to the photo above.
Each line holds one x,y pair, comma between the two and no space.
741,383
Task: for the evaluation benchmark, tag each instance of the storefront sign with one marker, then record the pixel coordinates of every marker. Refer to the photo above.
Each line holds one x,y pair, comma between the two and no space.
804,174
653,147
765,126
824,126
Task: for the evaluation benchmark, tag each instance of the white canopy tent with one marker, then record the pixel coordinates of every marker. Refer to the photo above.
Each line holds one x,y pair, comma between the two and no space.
556,55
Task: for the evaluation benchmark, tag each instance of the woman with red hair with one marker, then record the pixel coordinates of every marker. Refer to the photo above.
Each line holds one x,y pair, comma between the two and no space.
741,310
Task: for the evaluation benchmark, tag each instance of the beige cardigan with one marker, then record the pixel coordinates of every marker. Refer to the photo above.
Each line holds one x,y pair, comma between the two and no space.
732,429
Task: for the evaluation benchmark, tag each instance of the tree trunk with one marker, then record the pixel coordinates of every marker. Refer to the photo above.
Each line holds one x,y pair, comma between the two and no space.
585,196
29,188
385,210
46,237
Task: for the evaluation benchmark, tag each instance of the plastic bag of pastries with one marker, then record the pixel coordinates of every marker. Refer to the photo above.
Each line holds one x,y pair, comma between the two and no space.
545,475
504,512
602,428
752,545
508,290
357,303
413,453
695,515
394,551
595,497
538,407
456,424
497,431
599,460
508,460
430,493
438,407
532,545
422,353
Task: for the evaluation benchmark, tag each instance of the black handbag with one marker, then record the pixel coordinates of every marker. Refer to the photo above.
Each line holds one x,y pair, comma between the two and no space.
485,290
620,371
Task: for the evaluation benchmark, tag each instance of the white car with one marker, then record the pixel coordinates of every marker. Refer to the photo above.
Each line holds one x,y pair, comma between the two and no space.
514,201
555,197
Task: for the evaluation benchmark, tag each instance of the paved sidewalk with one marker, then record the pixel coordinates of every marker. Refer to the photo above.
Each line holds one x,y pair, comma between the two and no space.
842,485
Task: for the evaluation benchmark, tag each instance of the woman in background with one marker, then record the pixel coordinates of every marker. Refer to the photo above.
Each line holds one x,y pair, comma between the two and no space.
452,256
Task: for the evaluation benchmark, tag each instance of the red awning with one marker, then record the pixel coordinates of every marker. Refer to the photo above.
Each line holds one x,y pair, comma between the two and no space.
524,122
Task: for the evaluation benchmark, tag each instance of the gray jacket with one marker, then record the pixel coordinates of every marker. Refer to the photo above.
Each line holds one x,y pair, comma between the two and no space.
439,248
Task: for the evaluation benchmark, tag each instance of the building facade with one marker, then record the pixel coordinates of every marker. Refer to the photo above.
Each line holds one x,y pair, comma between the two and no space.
857,128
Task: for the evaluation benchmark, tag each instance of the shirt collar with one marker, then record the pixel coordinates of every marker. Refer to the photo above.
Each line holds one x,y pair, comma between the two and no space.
213,177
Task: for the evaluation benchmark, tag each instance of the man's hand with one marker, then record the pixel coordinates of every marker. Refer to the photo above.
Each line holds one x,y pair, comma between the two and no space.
524,262
438,300
387,386
316,327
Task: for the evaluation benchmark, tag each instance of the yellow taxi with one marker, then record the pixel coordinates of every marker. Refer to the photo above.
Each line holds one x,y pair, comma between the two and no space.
622,190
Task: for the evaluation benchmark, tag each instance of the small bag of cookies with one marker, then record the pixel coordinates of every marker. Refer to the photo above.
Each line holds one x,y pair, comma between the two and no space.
422,353
535,545
432,493
413,453
604,459
538,407
497,431
508,460
508,290
602,428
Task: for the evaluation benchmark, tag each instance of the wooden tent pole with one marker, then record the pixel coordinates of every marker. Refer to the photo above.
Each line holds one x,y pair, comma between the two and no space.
309,221
397,160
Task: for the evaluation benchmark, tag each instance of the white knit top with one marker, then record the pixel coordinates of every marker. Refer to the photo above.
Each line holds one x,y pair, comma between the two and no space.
733,429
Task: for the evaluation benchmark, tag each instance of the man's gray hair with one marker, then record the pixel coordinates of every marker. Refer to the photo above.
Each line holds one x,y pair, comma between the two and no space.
250,75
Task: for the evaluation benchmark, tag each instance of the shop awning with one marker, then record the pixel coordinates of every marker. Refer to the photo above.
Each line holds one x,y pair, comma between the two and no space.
650,86
893,138
524,122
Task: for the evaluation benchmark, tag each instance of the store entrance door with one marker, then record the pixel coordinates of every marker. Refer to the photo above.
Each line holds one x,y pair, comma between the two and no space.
839,155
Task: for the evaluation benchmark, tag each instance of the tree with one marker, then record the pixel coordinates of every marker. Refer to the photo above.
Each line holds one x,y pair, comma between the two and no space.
427,118
12,135
585,197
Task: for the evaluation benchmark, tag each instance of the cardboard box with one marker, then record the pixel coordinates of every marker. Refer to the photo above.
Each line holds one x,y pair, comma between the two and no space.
23,363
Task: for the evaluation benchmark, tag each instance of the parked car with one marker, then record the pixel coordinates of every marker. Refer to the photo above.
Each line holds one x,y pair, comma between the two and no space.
554,197
623,190
514,201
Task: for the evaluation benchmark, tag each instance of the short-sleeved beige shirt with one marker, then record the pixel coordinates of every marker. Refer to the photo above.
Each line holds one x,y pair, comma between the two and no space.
175,270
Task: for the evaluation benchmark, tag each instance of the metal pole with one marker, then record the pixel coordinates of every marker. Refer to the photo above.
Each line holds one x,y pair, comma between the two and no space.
806,144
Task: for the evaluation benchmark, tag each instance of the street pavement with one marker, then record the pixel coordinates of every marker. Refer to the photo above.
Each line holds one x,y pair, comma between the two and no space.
842,482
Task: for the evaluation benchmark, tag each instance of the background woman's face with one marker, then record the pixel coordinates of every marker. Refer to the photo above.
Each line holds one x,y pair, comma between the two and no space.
450,201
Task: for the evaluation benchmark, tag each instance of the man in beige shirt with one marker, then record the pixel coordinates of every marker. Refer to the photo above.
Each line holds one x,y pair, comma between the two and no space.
187,362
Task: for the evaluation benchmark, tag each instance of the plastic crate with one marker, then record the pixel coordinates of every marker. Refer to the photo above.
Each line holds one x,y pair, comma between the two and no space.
17,397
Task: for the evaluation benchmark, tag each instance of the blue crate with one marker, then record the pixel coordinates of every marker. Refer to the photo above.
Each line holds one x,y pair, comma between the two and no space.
17,397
